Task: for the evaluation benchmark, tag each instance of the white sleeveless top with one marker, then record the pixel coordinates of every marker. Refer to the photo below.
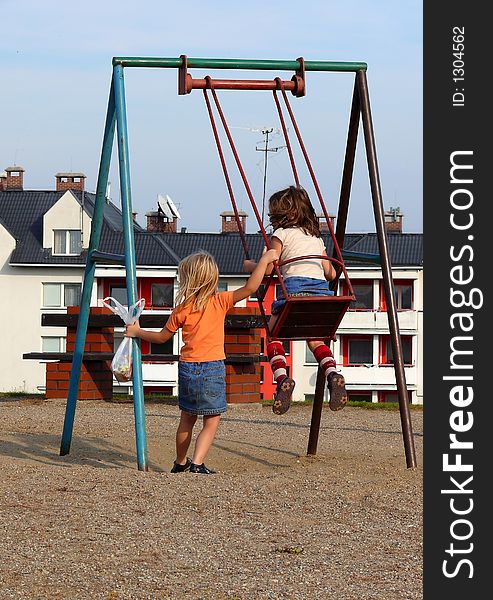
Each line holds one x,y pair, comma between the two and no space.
295,242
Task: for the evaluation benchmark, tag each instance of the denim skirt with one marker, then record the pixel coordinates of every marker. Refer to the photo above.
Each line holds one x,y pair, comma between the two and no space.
202,387
300,286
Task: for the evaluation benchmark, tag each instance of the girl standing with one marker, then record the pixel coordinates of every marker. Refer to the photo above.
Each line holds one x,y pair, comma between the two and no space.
200,314
296,233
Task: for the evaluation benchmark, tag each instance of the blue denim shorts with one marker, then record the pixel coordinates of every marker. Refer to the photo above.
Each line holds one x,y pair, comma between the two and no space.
202,387
300,286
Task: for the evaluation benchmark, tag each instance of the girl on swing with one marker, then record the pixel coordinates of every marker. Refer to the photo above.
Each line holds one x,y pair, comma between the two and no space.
296,233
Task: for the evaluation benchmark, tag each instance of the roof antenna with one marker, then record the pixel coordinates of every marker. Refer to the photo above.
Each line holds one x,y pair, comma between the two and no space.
265,149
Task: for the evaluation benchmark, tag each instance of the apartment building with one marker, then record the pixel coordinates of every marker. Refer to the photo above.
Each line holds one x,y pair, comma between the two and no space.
44,237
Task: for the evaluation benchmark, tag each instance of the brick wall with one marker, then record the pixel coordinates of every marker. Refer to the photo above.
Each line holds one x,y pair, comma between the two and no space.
242,379
96,378
14,180
67,182
156,223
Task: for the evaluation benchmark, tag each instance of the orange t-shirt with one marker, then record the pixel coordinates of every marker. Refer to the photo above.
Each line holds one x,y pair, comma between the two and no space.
202,332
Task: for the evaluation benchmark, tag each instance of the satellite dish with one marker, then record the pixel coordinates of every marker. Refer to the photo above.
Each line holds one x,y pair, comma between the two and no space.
163,207
172,207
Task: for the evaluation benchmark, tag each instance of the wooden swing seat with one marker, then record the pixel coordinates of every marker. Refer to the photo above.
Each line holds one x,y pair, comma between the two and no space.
310,317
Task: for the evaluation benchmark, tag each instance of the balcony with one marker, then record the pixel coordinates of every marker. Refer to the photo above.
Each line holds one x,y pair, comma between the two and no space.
376,321
381,375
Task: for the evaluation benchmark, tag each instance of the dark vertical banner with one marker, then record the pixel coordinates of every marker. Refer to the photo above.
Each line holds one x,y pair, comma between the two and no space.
458,163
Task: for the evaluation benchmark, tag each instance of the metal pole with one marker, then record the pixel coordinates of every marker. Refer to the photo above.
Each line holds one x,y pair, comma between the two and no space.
97,221
347,176
130,263
316,412
376,193
238,64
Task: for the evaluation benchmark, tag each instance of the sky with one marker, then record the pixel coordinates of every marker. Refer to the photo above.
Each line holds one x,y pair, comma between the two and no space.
56,67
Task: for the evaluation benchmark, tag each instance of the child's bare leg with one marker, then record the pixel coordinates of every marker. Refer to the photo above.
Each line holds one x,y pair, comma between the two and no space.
205,438
335,381
184,436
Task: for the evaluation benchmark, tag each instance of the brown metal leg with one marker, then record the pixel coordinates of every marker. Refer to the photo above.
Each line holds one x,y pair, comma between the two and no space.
316,412
371,155
347,175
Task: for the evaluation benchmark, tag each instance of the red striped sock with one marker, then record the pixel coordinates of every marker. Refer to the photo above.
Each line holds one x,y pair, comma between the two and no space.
325,359
277,359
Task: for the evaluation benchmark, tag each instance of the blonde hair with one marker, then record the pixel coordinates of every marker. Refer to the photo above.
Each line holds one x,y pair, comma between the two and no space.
198,276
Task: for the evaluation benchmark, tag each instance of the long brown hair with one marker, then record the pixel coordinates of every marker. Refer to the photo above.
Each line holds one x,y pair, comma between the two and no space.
198,275
291,207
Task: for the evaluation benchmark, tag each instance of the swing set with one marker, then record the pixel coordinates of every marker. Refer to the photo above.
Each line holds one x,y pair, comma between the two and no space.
301,318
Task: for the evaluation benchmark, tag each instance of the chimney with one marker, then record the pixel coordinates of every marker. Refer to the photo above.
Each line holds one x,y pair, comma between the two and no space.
322,222
393,220
70,181
14,179
3,181
228,221
159,223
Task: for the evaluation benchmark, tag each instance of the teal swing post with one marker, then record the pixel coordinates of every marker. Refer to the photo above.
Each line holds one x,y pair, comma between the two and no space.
116,113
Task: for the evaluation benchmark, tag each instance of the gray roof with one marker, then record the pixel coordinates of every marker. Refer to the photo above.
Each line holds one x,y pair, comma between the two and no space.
405,249
21,213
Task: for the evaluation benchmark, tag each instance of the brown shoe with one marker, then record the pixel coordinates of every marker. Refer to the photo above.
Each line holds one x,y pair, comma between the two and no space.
337,389
283,395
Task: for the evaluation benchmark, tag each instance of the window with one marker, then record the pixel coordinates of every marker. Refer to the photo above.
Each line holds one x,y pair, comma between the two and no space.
67,241
259,293
403,294
71,294
392,397
364,296
386,350
166,348
117,340
360,351
52,344
309,357
161,294
61,294
360,397
119,293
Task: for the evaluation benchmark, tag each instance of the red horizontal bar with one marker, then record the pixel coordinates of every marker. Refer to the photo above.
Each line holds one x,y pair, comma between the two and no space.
295,86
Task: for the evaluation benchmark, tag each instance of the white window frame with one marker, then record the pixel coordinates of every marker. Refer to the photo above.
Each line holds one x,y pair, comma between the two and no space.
67,242
62,342
62,292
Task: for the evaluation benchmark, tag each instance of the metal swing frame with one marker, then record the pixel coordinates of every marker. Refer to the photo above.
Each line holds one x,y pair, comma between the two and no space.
116,117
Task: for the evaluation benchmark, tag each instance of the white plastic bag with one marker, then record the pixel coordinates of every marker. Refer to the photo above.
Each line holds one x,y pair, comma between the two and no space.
121,365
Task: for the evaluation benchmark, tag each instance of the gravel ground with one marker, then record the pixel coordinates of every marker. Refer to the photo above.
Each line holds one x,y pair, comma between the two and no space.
272,523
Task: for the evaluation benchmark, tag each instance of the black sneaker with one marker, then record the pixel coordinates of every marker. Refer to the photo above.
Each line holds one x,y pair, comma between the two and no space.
283,395
337,389
177,468
200,469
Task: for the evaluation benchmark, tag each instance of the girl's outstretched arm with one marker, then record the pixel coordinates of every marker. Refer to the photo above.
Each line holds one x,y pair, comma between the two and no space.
155,337
249,265
255,279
